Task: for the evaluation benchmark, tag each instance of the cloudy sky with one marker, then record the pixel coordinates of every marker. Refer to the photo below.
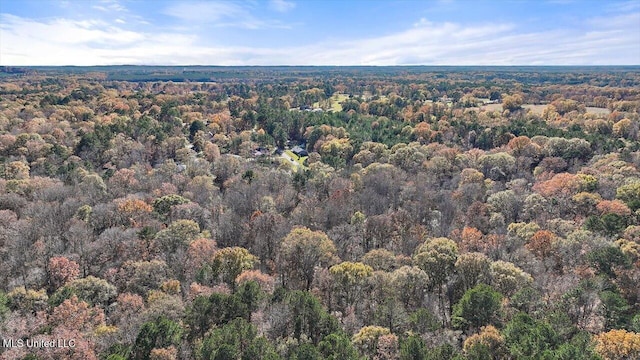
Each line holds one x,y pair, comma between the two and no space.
320,32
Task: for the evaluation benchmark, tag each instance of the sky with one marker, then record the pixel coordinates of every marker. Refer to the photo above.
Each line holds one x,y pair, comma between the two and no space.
319,32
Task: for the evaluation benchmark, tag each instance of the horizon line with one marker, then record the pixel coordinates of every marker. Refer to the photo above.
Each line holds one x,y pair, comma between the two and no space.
335,66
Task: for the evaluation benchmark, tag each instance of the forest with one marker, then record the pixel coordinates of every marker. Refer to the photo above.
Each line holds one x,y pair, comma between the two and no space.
341,213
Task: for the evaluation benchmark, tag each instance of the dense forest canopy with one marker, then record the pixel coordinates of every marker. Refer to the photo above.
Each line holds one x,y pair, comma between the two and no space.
320,212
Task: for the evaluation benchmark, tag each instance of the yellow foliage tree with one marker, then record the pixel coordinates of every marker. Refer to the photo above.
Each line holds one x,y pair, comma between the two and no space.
618,345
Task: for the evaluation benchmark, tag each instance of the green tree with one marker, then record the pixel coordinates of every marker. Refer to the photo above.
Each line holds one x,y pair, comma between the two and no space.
216,309
615,310
413,348
163,204
530,339
4,301
195,126
606,259
159,333
237,340
307,318
306,352
478,306
444,351
630,194
423,321
581,347
337,346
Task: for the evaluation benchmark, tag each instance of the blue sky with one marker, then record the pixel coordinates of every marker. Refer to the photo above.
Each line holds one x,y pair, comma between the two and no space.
320,32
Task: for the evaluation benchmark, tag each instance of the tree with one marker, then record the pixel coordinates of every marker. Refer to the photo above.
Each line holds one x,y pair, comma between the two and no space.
488,344
265,282
529,339
512,102
163,204
606,259
479,306
387,348
349,279
305,351
27,300
61,271
618,344
581,347
300,252
337,346
366,340
306,319
155,334
423,321
77,315
4,301
141,276
630,194
218,309
471,239
508,278
410,284
92,290
499,166
16,170
541,243
615,310
195,126
335,152
199,253
437,257
472,268
615,207
380,259
77,320
177,236
228,263
413,348
506,203
236,340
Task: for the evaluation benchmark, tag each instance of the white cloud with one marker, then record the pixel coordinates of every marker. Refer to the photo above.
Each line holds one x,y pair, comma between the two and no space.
110,6
282,5
94,42
220,14
204,11
19,31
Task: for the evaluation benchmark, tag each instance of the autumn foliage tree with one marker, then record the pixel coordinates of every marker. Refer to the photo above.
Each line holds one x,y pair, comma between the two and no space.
300,252
618,344
62,270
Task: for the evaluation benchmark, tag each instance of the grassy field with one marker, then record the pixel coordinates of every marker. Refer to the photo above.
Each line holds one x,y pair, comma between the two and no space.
299,159
538,109
334,102
595,110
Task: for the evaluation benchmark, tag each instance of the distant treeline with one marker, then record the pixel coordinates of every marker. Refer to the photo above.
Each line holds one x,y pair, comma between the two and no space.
524,74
